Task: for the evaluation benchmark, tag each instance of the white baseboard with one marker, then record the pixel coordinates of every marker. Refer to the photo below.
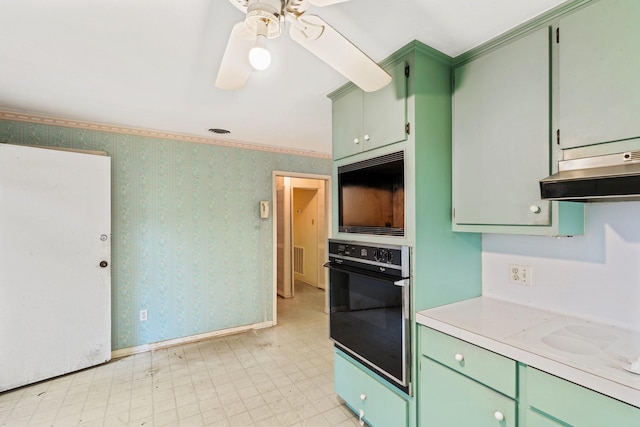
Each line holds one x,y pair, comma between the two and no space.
116,354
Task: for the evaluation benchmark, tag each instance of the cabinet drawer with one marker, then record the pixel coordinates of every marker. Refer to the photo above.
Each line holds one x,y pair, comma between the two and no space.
576,405
380,405
491,369
448,399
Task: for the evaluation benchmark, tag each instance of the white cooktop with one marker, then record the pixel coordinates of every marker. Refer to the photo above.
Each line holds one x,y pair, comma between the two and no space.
594,355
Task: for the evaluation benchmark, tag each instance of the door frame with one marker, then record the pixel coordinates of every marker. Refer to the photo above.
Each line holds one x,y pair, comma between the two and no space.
328,225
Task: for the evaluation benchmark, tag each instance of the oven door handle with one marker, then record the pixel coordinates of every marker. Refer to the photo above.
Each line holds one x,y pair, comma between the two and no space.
402,282
354,270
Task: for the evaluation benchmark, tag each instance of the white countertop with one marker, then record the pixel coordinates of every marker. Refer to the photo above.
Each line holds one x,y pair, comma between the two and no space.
587,353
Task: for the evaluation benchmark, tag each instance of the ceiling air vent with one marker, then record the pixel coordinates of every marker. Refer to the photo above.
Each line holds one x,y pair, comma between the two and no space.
219,131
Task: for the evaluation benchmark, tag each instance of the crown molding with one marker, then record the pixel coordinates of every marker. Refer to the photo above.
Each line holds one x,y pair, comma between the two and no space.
76,124
549,17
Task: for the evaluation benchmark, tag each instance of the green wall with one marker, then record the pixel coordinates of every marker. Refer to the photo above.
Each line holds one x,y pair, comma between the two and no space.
188,243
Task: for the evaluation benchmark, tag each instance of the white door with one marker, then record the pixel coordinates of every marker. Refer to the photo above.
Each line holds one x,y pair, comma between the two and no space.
55,231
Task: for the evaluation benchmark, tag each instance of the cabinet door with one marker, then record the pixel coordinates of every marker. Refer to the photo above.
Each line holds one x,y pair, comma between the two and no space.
374,402
448,399
599,65
534,419
501,135
385,111
347,124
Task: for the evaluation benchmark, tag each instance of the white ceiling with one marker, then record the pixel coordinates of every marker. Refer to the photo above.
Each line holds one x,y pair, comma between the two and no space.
152,63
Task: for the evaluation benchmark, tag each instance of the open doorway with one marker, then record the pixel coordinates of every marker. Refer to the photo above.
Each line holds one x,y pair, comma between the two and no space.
302,224
306,221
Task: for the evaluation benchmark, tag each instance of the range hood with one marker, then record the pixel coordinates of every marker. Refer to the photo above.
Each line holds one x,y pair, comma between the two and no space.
613,177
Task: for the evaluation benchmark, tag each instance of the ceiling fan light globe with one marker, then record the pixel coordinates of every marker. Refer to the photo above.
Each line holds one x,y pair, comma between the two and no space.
259,58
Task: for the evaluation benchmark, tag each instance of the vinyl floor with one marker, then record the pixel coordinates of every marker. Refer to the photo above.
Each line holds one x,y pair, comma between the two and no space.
280,376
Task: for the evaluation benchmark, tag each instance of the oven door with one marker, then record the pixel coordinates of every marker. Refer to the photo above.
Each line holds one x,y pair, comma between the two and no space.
369,318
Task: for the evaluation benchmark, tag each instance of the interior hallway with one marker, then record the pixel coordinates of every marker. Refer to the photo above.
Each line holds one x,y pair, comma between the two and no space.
281,376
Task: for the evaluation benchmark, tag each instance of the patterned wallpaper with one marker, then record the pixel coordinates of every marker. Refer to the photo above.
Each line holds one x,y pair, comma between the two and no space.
188,243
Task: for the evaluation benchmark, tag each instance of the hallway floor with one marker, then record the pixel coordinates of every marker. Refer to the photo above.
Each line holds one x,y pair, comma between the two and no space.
281,376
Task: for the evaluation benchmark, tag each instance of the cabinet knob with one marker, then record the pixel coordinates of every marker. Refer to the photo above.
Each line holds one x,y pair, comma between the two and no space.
535,209
459,357
363,396
498,415
356,141
367,137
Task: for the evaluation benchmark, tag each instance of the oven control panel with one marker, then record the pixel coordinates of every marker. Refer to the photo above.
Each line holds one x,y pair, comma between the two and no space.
390,255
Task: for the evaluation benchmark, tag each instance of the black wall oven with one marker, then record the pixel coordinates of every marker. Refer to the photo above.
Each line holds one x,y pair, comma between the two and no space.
369,312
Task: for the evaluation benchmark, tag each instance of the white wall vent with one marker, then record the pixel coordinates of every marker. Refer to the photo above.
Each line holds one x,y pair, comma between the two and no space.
298,260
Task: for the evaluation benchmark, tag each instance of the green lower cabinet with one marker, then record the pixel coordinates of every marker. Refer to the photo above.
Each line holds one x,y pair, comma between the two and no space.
536,419
371,399
461,384
484,366
562,403
450,399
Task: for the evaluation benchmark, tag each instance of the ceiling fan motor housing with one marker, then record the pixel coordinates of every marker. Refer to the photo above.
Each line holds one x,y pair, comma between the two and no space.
262,13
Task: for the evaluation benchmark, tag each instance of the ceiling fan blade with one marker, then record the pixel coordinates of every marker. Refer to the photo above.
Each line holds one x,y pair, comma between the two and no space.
235,68
326,43
322,3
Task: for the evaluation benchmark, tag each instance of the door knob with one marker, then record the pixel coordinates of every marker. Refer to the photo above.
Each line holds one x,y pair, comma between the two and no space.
104,264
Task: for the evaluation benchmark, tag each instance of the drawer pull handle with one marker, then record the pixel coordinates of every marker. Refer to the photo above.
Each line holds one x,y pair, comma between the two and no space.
459,357
363,396
498,415
360,417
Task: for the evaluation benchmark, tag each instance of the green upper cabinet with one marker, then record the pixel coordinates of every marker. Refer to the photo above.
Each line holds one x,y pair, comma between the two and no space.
501,125
501,142
599,64
501,134
366,120
347,112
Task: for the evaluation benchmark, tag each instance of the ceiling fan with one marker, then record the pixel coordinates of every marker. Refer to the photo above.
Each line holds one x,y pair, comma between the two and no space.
265,19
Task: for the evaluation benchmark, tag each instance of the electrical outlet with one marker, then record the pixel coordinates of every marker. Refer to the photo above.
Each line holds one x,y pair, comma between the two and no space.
521,274
143,315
